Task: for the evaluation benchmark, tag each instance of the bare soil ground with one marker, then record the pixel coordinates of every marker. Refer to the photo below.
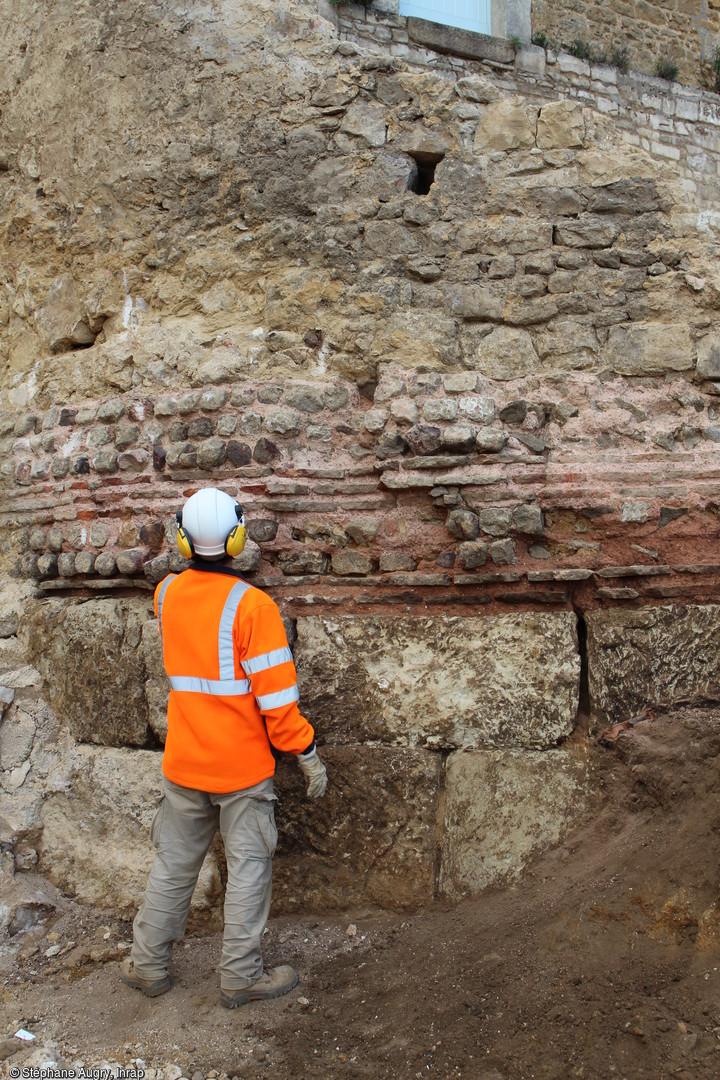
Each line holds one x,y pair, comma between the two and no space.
602,962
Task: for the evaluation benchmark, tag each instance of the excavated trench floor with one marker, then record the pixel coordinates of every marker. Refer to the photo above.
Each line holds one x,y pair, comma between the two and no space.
603,961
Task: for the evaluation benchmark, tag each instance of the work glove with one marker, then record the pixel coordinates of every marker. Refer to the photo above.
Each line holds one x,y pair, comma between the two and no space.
314,772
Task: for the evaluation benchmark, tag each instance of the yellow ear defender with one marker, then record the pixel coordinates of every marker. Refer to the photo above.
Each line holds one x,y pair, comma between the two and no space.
235,540
184,543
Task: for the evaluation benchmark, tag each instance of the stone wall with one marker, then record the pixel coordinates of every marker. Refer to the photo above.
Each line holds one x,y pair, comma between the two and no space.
637,36
685,34
403,706
448,330
670,120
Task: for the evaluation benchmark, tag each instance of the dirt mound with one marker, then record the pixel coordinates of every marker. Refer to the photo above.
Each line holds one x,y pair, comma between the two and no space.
603,961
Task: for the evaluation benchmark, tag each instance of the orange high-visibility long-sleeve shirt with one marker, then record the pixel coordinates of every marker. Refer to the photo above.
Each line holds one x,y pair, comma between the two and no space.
233,688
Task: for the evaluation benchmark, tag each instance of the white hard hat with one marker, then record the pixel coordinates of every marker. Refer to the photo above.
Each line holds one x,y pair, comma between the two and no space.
208,517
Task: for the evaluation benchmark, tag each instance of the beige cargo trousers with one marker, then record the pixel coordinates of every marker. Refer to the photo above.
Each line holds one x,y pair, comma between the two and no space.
184,824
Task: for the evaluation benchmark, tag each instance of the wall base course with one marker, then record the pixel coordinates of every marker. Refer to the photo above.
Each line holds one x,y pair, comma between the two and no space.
265,333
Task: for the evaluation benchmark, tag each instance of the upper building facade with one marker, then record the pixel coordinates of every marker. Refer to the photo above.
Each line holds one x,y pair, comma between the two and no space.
679,37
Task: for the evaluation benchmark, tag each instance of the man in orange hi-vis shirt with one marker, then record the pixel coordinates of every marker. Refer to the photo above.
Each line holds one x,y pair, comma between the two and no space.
233,698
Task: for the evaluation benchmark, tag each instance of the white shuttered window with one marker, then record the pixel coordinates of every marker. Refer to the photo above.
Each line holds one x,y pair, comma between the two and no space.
465,14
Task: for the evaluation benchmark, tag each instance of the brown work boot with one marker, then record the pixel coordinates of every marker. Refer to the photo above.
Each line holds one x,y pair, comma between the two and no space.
149,987
272,983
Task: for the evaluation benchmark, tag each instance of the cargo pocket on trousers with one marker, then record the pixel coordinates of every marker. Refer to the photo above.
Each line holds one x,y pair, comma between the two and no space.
265,815
155,824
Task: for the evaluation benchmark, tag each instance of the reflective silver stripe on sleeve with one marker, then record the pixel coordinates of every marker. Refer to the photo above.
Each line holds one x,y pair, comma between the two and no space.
280,697
266,660
226,649
220,687
161,594
161,601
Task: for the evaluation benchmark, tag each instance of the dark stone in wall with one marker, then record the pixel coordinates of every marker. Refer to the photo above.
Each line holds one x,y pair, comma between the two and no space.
265,451
152,534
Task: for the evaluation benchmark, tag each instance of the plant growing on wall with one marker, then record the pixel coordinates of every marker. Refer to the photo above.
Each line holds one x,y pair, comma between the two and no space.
620,57
710,71
581,48
666,69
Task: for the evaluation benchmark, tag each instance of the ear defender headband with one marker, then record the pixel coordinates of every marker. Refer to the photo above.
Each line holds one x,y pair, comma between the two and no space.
234,541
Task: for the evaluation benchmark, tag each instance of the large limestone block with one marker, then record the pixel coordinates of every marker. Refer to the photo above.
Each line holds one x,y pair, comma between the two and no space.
384,236
95,841
504,235
560,125
429,90
506,125
90,657
388,175
655,656
416,339
587,231
650,348
34,759
156,683
62,317
15,601
502,680
367,120
708,357
502,807
371,839
505,354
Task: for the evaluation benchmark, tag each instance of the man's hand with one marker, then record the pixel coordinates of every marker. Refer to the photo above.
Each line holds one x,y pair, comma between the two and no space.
314,772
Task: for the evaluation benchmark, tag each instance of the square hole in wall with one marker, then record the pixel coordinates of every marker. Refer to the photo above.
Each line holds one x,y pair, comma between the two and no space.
422,173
